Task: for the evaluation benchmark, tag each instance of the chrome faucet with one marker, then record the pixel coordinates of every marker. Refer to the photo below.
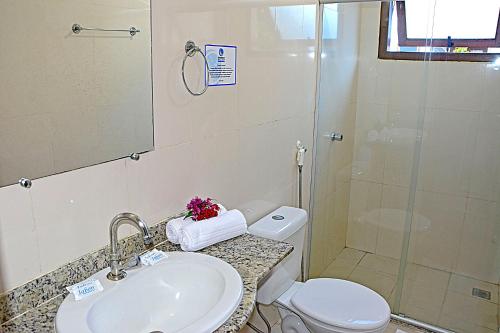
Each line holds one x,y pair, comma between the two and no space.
118,272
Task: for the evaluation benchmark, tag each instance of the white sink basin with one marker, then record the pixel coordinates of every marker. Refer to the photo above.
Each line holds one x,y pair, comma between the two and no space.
187,292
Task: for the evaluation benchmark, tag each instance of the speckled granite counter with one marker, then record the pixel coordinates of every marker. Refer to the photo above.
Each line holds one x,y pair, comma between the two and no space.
33,306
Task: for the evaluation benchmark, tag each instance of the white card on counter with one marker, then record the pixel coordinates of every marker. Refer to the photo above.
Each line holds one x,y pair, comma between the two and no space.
152,257
85,289
222,65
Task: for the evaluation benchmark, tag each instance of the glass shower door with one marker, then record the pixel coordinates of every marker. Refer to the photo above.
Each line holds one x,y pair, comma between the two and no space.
362,183
336,113
408,202
452,252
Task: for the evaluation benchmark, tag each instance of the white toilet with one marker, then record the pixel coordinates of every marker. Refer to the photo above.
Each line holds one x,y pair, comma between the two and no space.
318,305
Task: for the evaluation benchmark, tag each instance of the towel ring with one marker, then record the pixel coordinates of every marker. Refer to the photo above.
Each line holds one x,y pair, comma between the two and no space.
191,50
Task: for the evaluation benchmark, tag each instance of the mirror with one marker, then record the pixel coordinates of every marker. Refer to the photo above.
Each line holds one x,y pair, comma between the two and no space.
71,99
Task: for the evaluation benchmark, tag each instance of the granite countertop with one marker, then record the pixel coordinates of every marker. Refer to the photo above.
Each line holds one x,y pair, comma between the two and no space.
253,257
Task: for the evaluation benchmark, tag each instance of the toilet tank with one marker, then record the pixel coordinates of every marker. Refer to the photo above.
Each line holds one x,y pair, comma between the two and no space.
286,224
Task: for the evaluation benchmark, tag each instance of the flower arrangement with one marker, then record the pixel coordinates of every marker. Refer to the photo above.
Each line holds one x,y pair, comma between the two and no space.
199,209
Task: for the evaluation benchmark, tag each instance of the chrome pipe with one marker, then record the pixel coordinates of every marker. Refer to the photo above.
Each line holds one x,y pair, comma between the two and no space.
419,324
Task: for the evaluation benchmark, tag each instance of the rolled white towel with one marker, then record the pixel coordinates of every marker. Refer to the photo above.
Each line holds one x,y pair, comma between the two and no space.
198,235
222,209
174,226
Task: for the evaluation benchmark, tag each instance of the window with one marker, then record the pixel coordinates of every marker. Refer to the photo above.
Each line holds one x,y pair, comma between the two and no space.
440,30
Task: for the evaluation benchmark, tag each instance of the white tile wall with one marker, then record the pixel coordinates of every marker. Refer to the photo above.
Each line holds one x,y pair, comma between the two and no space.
392,221
364,215
19,254
70,213
479,252
455,86
235,144
436,230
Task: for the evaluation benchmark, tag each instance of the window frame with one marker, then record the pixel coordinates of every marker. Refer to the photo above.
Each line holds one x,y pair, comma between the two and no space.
400,11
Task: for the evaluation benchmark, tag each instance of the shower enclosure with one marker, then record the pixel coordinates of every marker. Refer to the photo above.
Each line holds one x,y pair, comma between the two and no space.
407,202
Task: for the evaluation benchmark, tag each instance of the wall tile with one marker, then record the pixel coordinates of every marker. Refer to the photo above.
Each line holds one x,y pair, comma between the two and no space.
369,157
319,247
19,249
400,138
446,88
364,215
479,254
491,99
391,228
216,167
446,150
370,13
374,86
71,215
411,94
436,229
162,182
485,170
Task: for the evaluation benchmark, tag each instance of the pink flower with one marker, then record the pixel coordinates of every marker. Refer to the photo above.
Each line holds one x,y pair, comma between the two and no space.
199,209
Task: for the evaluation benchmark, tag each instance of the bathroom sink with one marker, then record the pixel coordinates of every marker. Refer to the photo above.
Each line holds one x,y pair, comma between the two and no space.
184,293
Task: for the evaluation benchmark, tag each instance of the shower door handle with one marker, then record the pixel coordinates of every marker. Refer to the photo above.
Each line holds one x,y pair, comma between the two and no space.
336,136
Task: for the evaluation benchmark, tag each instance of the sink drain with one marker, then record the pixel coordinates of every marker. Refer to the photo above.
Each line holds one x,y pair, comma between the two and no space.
156,332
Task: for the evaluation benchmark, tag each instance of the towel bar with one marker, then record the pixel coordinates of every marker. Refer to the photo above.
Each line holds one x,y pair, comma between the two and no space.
76,28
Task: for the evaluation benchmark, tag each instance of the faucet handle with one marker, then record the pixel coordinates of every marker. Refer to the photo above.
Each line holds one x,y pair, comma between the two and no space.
132,262
148,242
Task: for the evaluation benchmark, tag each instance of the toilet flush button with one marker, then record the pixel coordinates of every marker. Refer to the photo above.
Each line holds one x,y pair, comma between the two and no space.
278,217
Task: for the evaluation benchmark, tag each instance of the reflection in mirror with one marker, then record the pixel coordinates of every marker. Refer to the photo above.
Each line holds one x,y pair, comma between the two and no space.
70,100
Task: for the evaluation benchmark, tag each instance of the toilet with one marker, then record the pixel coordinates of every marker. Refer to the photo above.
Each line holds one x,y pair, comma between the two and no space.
318,305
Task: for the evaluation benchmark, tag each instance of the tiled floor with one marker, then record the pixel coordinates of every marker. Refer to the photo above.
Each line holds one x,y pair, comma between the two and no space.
272,315
436,297
392,328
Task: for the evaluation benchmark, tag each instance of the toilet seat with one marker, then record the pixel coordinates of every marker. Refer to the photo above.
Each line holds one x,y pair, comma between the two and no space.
342,304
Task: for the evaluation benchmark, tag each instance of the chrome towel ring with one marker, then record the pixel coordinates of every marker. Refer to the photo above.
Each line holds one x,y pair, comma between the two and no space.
191,50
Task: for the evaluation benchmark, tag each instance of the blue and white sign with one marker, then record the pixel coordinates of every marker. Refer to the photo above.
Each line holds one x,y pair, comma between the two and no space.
222,64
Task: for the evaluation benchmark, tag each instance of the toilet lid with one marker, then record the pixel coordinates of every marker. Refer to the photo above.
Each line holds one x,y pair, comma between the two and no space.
342,304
